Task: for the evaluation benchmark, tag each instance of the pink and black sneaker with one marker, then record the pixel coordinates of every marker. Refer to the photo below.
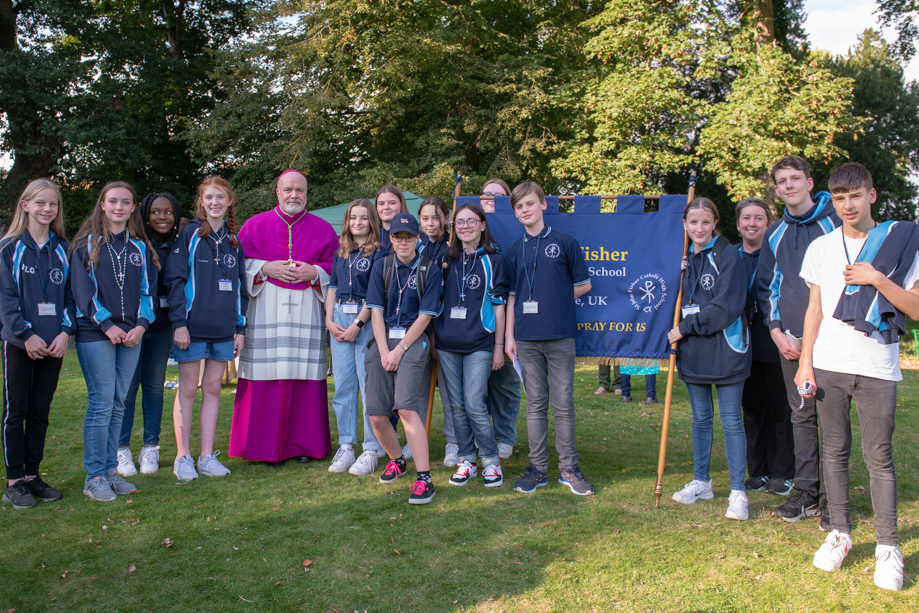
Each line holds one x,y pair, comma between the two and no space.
422,492
394,469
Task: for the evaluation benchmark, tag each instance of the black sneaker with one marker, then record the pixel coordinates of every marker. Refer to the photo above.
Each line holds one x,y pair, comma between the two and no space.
533,478
573,478
19,496
779,487
824,516
756,484
422,492
798,506
42,490
392,471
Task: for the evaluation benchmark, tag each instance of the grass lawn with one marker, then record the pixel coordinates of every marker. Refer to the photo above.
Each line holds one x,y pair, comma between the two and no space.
300,538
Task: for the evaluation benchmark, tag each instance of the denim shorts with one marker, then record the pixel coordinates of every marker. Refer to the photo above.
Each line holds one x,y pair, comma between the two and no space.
219,352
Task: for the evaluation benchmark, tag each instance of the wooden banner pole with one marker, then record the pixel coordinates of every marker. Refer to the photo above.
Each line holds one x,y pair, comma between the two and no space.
662,455
427,422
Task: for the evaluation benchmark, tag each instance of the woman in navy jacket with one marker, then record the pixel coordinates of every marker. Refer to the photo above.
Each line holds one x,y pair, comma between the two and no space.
113,277
713,350
36,310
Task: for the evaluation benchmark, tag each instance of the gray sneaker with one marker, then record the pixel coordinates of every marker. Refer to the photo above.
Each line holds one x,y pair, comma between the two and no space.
184,468
119,485
98,488
210,466
573,478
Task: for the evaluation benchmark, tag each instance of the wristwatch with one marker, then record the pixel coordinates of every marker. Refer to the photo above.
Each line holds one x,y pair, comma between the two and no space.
404,348
359,324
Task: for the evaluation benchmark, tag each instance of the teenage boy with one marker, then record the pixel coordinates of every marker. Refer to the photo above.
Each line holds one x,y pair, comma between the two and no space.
863,278
397,360
547,273
783,297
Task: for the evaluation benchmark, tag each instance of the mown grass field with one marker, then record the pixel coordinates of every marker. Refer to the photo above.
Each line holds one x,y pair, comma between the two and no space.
300,538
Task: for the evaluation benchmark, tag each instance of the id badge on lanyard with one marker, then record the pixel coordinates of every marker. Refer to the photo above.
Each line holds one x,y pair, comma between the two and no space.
349,307
530,307
397,333
458,312
46,308
225,286
690,309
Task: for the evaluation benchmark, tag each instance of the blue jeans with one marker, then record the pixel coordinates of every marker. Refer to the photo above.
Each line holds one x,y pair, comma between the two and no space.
350,376
504,402
735,440
150,376
466,376
650,386
108,370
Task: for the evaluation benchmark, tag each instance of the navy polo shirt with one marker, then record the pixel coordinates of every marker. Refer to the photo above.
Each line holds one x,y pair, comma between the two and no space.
485,286
559,267
433,250
350,275
404,276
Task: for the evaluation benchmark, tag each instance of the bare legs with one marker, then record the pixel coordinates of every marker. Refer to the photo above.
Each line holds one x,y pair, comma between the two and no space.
210,404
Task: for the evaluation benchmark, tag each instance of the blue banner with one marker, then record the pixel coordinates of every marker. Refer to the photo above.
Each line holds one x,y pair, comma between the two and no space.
634,262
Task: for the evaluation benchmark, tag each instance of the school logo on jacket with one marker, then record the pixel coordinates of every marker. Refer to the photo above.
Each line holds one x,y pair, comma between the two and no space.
707,281
136,259
412,283
56,276
474,282
553,251
230,260
363,265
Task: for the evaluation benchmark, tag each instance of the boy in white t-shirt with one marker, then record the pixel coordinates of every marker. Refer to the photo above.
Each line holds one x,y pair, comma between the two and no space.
841,363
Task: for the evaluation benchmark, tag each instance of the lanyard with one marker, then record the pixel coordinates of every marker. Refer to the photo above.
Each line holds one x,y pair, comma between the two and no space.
755,268
41,275
395,272
526,270
220,263
351,263
698,280
462,288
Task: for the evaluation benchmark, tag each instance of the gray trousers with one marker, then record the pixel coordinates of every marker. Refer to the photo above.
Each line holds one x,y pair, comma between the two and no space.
876,403
804,429
548,369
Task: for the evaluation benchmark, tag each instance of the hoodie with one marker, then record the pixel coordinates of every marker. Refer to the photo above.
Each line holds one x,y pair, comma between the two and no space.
782,293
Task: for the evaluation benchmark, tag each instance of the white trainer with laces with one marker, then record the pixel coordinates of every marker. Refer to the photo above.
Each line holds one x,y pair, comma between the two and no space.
888,567
184,468
833,551
451,455
126,466
365,464
343,460
492,475
210,466
149,459
693,491
738,506
465,471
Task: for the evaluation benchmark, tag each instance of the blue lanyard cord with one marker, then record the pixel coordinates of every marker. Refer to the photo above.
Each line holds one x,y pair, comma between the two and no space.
41,275
755,268
462,288
698,280
846,249
526,269
401,288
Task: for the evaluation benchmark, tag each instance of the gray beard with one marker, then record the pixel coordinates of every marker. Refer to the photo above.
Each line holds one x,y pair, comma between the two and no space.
292,209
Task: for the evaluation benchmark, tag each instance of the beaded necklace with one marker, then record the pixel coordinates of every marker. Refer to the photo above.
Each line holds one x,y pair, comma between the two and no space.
119,266
290,234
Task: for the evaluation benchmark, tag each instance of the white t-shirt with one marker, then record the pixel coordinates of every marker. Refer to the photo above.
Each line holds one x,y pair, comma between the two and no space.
839,346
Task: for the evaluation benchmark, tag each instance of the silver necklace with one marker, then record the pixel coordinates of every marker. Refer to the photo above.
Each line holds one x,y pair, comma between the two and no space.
119,266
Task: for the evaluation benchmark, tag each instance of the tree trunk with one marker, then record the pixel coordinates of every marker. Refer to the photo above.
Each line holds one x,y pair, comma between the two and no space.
174,16
764,22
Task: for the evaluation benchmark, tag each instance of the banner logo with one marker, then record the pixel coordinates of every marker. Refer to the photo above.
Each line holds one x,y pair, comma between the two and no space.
553,251
648,292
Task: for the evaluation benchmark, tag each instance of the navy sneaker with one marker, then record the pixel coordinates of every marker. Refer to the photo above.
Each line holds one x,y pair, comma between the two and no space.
532,479
756,484
573,478
19,496
780,487
422,492
393,471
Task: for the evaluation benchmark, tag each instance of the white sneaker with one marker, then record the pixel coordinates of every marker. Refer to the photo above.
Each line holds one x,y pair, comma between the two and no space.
407,452
365,464
465,471
126,466
451,455
184,468
693,491
833,551
888,567
505,451
492,475
738,507
342,461
149,459
210,466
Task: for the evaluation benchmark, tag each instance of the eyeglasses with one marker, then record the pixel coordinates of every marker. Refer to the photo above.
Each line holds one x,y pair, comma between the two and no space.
493,194
401,239
459,223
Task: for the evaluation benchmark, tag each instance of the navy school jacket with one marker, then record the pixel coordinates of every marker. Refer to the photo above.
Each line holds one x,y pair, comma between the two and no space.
782,293
23,266
193,274
162,292
100,303
715,348
762,345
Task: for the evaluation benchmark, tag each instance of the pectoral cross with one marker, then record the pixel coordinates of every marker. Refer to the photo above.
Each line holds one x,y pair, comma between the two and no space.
289,304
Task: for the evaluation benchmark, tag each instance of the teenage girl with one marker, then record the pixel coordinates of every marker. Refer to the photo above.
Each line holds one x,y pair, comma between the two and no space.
346,318
713,350
433,215
389,203
160,216
114,276
206,277
469,336
36,310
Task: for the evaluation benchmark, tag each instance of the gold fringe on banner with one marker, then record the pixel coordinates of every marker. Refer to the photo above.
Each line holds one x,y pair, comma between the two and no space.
596,361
